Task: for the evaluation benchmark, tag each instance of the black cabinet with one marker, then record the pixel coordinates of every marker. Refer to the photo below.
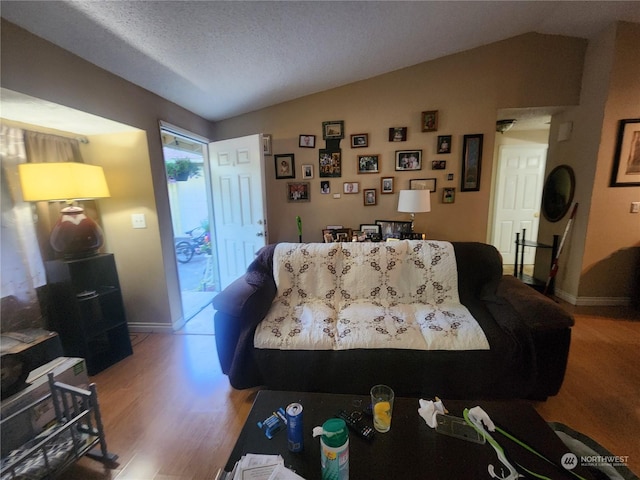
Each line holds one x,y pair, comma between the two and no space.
86,309
521,243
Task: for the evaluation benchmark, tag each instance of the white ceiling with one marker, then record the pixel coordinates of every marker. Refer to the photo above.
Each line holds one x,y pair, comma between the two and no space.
219,59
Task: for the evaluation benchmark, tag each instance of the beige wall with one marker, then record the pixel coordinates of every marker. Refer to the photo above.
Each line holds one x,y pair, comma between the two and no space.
35,67
467,89
600,258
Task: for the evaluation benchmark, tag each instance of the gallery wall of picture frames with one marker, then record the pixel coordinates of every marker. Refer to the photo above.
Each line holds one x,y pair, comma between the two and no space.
331,163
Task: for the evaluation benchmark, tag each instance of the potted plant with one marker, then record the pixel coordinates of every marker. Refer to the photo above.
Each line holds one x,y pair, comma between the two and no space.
182,169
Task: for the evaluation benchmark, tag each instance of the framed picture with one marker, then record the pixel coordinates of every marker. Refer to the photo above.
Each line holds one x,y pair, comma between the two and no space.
370,230
450,176
438,164
393,229
298,192
430,121
360,140
351,187
325,187
337,235
368,163
307,141
330,163
285,165
444,144
369,196
423,184
407,160
266,144
333,129
307,171
448,195
626,162
471,162
386,185
398,134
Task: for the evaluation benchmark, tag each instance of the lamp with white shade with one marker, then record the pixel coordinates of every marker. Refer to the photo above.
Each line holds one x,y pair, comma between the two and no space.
75,235
414,201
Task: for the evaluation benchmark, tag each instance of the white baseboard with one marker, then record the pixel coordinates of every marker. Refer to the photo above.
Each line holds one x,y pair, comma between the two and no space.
593,301
137,327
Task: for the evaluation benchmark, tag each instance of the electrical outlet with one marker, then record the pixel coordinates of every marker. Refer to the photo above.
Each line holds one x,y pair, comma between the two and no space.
138,220
635,207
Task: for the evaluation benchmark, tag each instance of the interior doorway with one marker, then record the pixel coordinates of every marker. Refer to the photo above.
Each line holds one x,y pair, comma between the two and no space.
188,185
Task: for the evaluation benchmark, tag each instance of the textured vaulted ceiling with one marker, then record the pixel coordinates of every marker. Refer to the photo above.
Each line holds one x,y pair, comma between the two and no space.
221,59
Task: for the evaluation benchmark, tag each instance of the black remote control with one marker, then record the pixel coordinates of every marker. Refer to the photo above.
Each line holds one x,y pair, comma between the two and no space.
356,423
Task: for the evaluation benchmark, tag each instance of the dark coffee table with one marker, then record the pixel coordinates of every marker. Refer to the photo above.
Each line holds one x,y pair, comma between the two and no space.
410,449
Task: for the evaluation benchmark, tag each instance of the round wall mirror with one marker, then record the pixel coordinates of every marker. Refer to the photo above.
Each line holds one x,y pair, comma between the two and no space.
558,193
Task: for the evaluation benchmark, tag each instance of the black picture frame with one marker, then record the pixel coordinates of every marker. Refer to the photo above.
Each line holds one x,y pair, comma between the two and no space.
438,164
360,140
471,162
330,163
408,160
626,160
307,141
393,228
285,165
444,144
398,134
333,129
368,164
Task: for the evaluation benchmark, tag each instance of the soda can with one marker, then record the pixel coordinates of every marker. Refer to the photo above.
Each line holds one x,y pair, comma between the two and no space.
294,427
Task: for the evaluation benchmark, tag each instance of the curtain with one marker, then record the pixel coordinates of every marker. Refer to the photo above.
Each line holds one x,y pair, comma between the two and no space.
22,266
42,147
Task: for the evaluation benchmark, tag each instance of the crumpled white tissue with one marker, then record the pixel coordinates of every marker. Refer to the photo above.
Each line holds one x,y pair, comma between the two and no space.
477,415
429,409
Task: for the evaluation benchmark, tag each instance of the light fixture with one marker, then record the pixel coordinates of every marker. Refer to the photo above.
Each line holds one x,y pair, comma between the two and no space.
504,125
414,201
74,235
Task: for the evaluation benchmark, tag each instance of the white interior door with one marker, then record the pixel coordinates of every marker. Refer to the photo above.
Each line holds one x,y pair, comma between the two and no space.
239,206
519,193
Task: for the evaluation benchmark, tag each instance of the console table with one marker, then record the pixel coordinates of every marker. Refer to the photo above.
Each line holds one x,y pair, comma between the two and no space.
521,243
410,449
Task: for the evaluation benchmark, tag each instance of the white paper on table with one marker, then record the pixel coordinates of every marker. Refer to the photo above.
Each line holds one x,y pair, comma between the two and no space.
283,473
256,467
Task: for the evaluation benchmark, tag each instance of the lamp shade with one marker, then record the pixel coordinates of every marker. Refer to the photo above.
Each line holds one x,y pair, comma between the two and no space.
414,201
62,181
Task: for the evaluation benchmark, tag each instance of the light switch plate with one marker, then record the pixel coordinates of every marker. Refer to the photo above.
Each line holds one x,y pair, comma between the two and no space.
138,220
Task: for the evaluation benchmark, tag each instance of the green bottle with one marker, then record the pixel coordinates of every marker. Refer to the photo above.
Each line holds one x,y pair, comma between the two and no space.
334,450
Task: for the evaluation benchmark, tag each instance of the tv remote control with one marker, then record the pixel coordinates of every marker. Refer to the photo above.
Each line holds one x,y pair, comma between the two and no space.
356,423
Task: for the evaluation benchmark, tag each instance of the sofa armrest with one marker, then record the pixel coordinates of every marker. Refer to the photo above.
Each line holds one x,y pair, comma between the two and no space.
537,311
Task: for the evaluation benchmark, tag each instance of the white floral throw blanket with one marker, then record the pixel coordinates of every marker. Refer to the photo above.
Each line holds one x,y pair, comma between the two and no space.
340,296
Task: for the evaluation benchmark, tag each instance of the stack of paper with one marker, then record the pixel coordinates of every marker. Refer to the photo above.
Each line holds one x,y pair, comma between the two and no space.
261,467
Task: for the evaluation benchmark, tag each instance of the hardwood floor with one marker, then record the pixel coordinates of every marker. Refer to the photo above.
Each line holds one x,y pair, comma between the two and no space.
170,413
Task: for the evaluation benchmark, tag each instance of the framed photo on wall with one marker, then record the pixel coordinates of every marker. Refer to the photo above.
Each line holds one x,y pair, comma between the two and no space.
359,140
350,187
423,184
307,141
368,163
330,162
333,129
407,160
386,185
398,134
285,165
266,144
307,171
370,197
626,161
444,144
430,121
298,192
471,162
448,195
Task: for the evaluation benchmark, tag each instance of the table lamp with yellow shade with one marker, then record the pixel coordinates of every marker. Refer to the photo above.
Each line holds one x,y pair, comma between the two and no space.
75,235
